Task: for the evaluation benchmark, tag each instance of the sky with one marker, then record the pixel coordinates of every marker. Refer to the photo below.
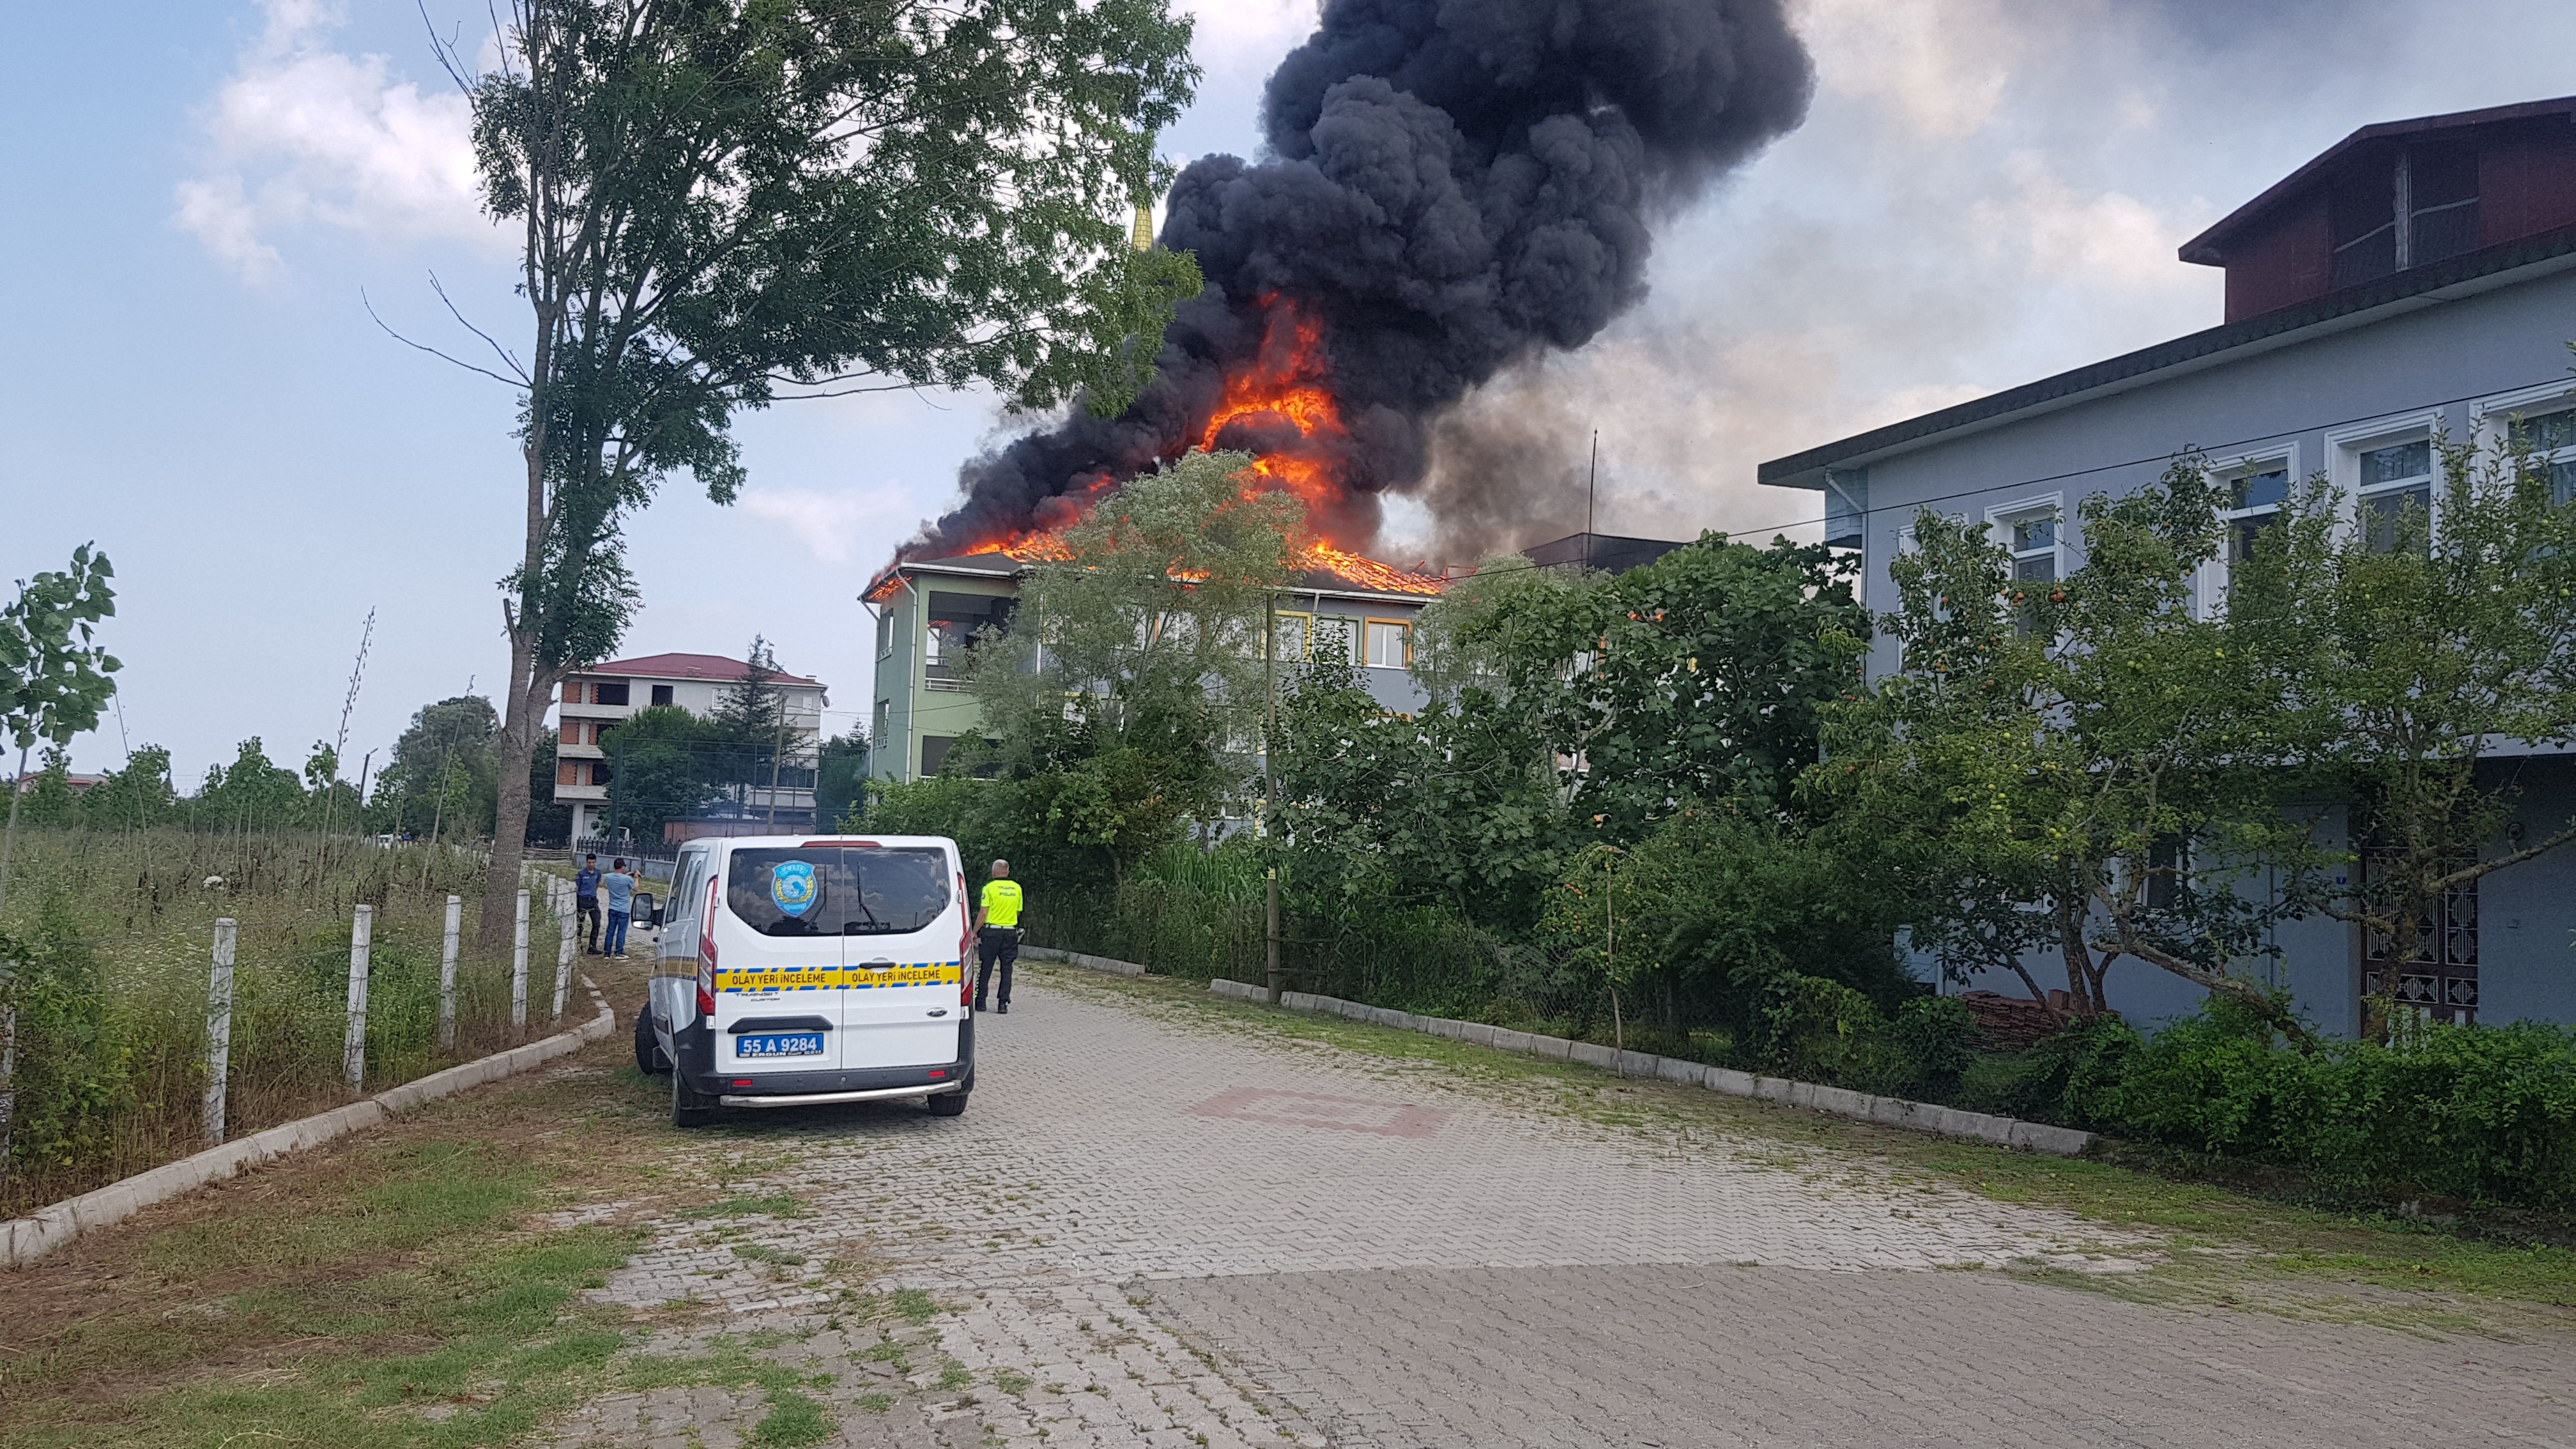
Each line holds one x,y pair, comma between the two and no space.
209,199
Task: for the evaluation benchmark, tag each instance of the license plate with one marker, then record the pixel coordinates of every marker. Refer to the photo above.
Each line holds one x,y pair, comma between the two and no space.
780,1044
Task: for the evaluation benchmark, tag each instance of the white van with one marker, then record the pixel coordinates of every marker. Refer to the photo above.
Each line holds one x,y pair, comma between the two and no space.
799,970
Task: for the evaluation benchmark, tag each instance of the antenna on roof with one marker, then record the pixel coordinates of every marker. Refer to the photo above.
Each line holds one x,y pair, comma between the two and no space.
1591,490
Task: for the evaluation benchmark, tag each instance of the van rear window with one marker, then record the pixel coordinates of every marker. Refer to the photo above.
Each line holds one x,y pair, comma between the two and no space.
834,891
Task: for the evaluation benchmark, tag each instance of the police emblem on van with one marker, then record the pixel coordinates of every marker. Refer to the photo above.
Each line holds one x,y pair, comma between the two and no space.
793,887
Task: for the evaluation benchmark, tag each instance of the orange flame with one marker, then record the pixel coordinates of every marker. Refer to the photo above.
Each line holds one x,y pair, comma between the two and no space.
1285,390
1286,385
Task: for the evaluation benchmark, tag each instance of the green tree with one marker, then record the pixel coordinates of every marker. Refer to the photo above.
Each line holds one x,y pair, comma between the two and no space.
252,793
721,206
1125,698
658,769
54,675
840,781
2418,656
443,778
54,680
136,797
2086,767
50,799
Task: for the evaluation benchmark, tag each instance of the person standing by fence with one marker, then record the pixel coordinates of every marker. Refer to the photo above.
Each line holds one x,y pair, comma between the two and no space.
619,887
997,934
585,901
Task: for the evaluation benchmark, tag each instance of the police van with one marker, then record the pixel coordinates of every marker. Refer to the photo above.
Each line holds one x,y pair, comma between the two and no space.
797,971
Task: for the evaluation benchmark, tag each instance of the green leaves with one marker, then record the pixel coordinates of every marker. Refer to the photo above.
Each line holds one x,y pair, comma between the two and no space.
54,675
1125,698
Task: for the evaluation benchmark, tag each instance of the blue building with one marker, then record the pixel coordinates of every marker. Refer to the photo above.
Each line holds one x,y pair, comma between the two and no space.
2416,280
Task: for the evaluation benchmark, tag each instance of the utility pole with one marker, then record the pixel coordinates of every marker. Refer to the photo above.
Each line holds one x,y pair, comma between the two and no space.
1270,789
1591,492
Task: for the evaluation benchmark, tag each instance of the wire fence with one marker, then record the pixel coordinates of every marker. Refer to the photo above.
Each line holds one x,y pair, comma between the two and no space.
1416,960
113,937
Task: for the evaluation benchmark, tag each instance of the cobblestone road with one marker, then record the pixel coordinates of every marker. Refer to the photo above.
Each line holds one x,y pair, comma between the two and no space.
1155,1231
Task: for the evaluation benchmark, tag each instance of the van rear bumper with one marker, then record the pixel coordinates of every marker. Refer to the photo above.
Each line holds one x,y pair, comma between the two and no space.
824,1099
798,1089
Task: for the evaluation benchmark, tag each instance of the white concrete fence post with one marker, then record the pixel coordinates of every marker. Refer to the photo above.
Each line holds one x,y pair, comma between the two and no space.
219,1029
353,1052
519,967
563,953
447,972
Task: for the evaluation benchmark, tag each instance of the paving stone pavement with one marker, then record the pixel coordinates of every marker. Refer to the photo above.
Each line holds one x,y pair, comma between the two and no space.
1693,1356
1152,1231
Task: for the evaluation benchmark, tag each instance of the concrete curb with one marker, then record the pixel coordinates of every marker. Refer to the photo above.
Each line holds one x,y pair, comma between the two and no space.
1087,963
23,1240
1835,1101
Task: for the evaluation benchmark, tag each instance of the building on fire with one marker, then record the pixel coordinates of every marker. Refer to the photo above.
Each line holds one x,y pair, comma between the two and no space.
927,611
2416,280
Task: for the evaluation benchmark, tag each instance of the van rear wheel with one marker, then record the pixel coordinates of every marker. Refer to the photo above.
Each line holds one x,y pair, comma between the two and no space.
648,1048
689,1108
947,1104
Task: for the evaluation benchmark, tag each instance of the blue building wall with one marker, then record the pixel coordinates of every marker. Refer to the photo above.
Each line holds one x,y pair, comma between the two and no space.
2449,365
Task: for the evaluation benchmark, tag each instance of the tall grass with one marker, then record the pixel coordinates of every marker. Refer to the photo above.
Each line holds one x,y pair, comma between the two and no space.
116,931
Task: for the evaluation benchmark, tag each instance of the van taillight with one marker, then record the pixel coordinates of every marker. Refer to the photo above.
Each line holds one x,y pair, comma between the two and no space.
965,946
707,954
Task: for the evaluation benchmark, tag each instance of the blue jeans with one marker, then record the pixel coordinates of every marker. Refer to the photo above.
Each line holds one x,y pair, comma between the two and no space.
615,944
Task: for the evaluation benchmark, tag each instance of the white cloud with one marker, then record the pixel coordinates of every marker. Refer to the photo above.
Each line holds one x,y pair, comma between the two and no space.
1231,33
303,136
835,525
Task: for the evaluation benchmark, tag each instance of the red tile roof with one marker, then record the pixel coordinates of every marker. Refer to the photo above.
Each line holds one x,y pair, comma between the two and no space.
714,667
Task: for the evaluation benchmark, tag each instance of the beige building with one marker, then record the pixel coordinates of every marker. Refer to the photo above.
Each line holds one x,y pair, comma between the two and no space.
596,698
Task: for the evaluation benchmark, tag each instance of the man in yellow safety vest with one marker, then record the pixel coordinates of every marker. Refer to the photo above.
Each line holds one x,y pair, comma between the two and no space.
997,934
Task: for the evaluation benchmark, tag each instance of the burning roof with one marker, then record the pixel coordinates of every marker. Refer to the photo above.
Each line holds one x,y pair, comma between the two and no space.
1322,567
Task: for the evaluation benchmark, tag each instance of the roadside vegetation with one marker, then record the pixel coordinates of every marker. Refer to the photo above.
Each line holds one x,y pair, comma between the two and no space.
113,933
1665,808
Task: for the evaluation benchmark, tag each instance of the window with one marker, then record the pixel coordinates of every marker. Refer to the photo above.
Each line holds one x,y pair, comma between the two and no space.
827,891
1294,632
959,623
885,632
2395,478
2441,190
2034,549
661,694
2551,437
1335,639
934,752
2411,210
2253,504
1390,644
608,691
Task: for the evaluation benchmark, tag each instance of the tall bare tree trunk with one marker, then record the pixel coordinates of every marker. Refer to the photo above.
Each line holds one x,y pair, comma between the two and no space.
531,689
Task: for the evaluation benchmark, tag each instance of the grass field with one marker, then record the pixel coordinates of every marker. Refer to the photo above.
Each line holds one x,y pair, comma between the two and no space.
115,931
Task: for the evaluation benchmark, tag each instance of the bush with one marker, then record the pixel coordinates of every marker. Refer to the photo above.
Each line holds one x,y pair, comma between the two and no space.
72,1076
2480,1113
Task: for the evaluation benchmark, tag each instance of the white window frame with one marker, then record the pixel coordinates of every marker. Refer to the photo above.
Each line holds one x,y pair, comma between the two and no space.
1341,635
2051,506
1404,627
2491,418
2344,447
2213,582
1293,648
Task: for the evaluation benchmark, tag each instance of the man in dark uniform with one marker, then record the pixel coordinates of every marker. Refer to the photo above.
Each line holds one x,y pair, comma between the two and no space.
997,934
585,901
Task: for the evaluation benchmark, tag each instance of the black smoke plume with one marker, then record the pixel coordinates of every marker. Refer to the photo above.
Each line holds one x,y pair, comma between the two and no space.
1452,186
